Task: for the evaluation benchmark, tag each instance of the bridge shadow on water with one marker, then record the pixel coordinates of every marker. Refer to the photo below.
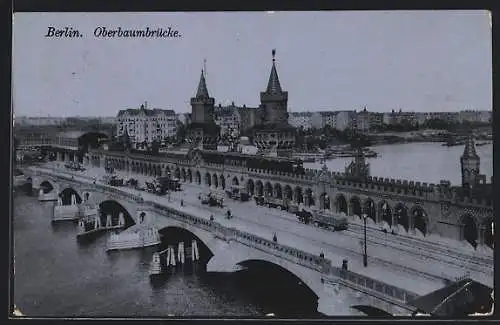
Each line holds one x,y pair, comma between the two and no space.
275,290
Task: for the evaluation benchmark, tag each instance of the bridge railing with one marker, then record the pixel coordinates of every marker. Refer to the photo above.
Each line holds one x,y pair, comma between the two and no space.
289,253
373,285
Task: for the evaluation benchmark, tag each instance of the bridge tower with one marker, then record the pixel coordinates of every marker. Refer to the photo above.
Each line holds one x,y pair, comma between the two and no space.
203,132
359,167
273,134
470,164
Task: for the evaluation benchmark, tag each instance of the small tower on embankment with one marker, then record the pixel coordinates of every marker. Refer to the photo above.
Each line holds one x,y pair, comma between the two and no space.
470,163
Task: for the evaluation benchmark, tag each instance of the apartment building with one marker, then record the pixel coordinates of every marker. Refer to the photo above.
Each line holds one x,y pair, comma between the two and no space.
145,125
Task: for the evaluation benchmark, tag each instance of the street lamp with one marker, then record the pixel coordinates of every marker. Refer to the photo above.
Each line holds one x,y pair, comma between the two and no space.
365,257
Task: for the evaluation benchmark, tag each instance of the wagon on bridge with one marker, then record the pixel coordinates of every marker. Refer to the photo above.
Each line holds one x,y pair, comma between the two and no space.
330,220
113,180
304,216
212,199
169,183
272,202
156,188
238,193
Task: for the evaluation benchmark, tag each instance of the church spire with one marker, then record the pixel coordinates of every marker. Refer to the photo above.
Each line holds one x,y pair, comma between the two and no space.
273,86
202,91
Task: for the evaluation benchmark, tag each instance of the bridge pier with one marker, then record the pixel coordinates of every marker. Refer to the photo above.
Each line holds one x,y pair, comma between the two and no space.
224,260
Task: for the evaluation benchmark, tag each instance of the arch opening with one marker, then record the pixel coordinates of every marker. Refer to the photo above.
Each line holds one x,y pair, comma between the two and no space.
208,180
259,188
278,191
489,238
401,216
469,231
198,177
419,219
114,209
355,206
372,311
284,293
46,186
341,204
309,198
250,187
172,236
268,189
215,180
223,182
370,210
66,195
386,212
324,201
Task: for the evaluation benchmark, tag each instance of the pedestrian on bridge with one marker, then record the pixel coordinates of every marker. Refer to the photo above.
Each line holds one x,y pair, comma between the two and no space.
211,217
275,238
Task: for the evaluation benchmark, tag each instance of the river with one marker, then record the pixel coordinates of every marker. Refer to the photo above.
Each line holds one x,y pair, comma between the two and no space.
419,161
57,277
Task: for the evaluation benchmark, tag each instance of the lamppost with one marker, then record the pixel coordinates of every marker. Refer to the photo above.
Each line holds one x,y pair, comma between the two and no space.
365,257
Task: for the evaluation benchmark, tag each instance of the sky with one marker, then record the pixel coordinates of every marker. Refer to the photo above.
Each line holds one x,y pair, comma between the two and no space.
345,60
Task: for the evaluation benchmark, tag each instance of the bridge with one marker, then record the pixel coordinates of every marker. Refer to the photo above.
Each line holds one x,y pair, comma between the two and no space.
405,207
337,289
385,284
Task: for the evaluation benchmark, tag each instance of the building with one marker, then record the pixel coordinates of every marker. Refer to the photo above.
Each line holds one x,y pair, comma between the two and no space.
248,117
362,124
449,117
228,119
144,125
301,120
474,116
202,131
329,118
38,121
339,120
184,118
273,135
344,120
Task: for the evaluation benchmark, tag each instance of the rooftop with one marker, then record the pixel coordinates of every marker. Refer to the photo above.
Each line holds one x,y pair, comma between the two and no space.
145,112
458,299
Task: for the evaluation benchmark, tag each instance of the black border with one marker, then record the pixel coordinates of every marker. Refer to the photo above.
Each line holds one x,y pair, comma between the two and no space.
151,6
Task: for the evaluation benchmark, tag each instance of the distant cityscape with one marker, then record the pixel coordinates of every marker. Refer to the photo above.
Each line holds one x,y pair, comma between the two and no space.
236,120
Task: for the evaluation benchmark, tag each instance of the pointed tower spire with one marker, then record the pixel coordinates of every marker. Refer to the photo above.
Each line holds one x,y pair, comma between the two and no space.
202,91
273,86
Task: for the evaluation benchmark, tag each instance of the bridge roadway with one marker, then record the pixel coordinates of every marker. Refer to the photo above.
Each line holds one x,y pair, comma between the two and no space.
390,260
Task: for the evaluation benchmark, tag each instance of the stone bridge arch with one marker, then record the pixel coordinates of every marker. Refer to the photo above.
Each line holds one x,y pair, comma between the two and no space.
230,257
65,193
38,183
133,208
206,237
